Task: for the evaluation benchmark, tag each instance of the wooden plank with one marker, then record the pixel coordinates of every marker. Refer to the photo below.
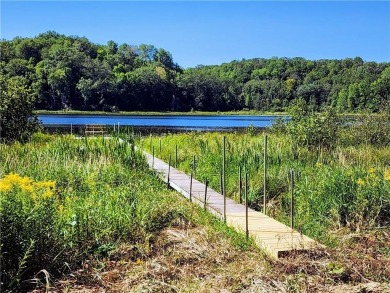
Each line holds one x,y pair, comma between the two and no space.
272,236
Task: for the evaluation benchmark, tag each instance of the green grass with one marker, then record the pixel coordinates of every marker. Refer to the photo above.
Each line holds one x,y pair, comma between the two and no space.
345,188
64,200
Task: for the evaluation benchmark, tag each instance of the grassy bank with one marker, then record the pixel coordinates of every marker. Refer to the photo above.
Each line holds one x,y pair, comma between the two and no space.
66,200
83,215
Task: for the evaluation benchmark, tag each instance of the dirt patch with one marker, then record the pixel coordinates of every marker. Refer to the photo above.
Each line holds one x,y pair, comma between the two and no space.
193,259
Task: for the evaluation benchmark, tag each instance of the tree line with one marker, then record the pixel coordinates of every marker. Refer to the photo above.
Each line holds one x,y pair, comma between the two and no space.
70,72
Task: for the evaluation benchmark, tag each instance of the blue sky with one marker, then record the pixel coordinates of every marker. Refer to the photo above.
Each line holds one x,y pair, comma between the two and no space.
215,32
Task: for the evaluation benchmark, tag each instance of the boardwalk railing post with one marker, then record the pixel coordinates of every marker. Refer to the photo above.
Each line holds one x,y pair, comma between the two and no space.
265,177
205,194
169,168
153,157
239,183
160,147
292,198
175,156
220,181
246,206
192,175
224,177
194,165
191,186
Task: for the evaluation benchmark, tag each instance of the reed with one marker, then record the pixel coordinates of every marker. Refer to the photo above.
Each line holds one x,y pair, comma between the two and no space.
345,187
64,199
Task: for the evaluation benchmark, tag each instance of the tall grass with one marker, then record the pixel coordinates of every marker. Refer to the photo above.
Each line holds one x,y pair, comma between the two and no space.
64,199
345,187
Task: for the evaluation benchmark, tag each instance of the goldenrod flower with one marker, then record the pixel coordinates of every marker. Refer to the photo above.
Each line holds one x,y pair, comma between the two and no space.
387,175
5,186
43,188
360,182
47,194
27,187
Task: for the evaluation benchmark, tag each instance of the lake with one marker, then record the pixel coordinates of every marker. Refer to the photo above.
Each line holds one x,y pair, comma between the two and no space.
188,122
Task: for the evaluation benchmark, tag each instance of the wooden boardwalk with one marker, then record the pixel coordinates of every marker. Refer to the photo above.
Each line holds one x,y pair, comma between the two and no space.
272,236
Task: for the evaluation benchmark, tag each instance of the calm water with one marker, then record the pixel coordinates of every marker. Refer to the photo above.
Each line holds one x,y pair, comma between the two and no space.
186,122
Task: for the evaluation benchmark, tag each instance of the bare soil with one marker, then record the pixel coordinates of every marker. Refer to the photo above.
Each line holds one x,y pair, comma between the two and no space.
185,258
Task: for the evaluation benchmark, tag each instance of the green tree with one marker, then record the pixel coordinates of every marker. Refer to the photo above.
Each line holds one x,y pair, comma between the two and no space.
18,122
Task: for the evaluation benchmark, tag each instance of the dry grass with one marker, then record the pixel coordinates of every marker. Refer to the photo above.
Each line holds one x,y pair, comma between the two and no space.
185,258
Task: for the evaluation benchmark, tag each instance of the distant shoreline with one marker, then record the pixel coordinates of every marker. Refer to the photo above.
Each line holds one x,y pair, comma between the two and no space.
148,113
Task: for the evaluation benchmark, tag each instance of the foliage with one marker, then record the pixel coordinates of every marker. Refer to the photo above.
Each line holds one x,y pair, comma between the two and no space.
368,129
70,72
306,128
17,121
63,200
343,188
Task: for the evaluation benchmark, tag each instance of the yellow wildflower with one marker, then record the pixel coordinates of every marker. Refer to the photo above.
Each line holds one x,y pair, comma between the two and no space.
50,184
34,196
43,189
47,194
387,175
5,185
61,208
360,182
371,173
27,187
318,165
25,181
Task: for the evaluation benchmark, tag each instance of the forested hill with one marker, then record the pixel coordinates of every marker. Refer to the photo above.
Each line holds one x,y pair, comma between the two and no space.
70,72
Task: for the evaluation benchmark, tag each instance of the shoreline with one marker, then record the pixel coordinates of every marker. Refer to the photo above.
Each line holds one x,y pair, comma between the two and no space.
147,113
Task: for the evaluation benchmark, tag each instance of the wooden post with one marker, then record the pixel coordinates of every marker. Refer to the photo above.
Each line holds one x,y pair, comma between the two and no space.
191,176
169,168
224,177
160,147
240,184
205,194
246,206
265,177
175,156
153,157
151,142
220,181
71,129
191,186
118,129
194,165
292,198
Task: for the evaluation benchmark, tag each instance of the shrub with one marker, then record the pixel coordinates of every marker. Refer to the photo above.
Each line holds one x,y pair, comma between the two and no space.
17,121
312,130
367,129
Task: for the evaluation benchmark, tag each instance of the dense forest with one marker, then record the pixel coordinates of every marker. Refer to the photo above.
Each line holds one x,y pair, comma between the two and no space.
70,72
